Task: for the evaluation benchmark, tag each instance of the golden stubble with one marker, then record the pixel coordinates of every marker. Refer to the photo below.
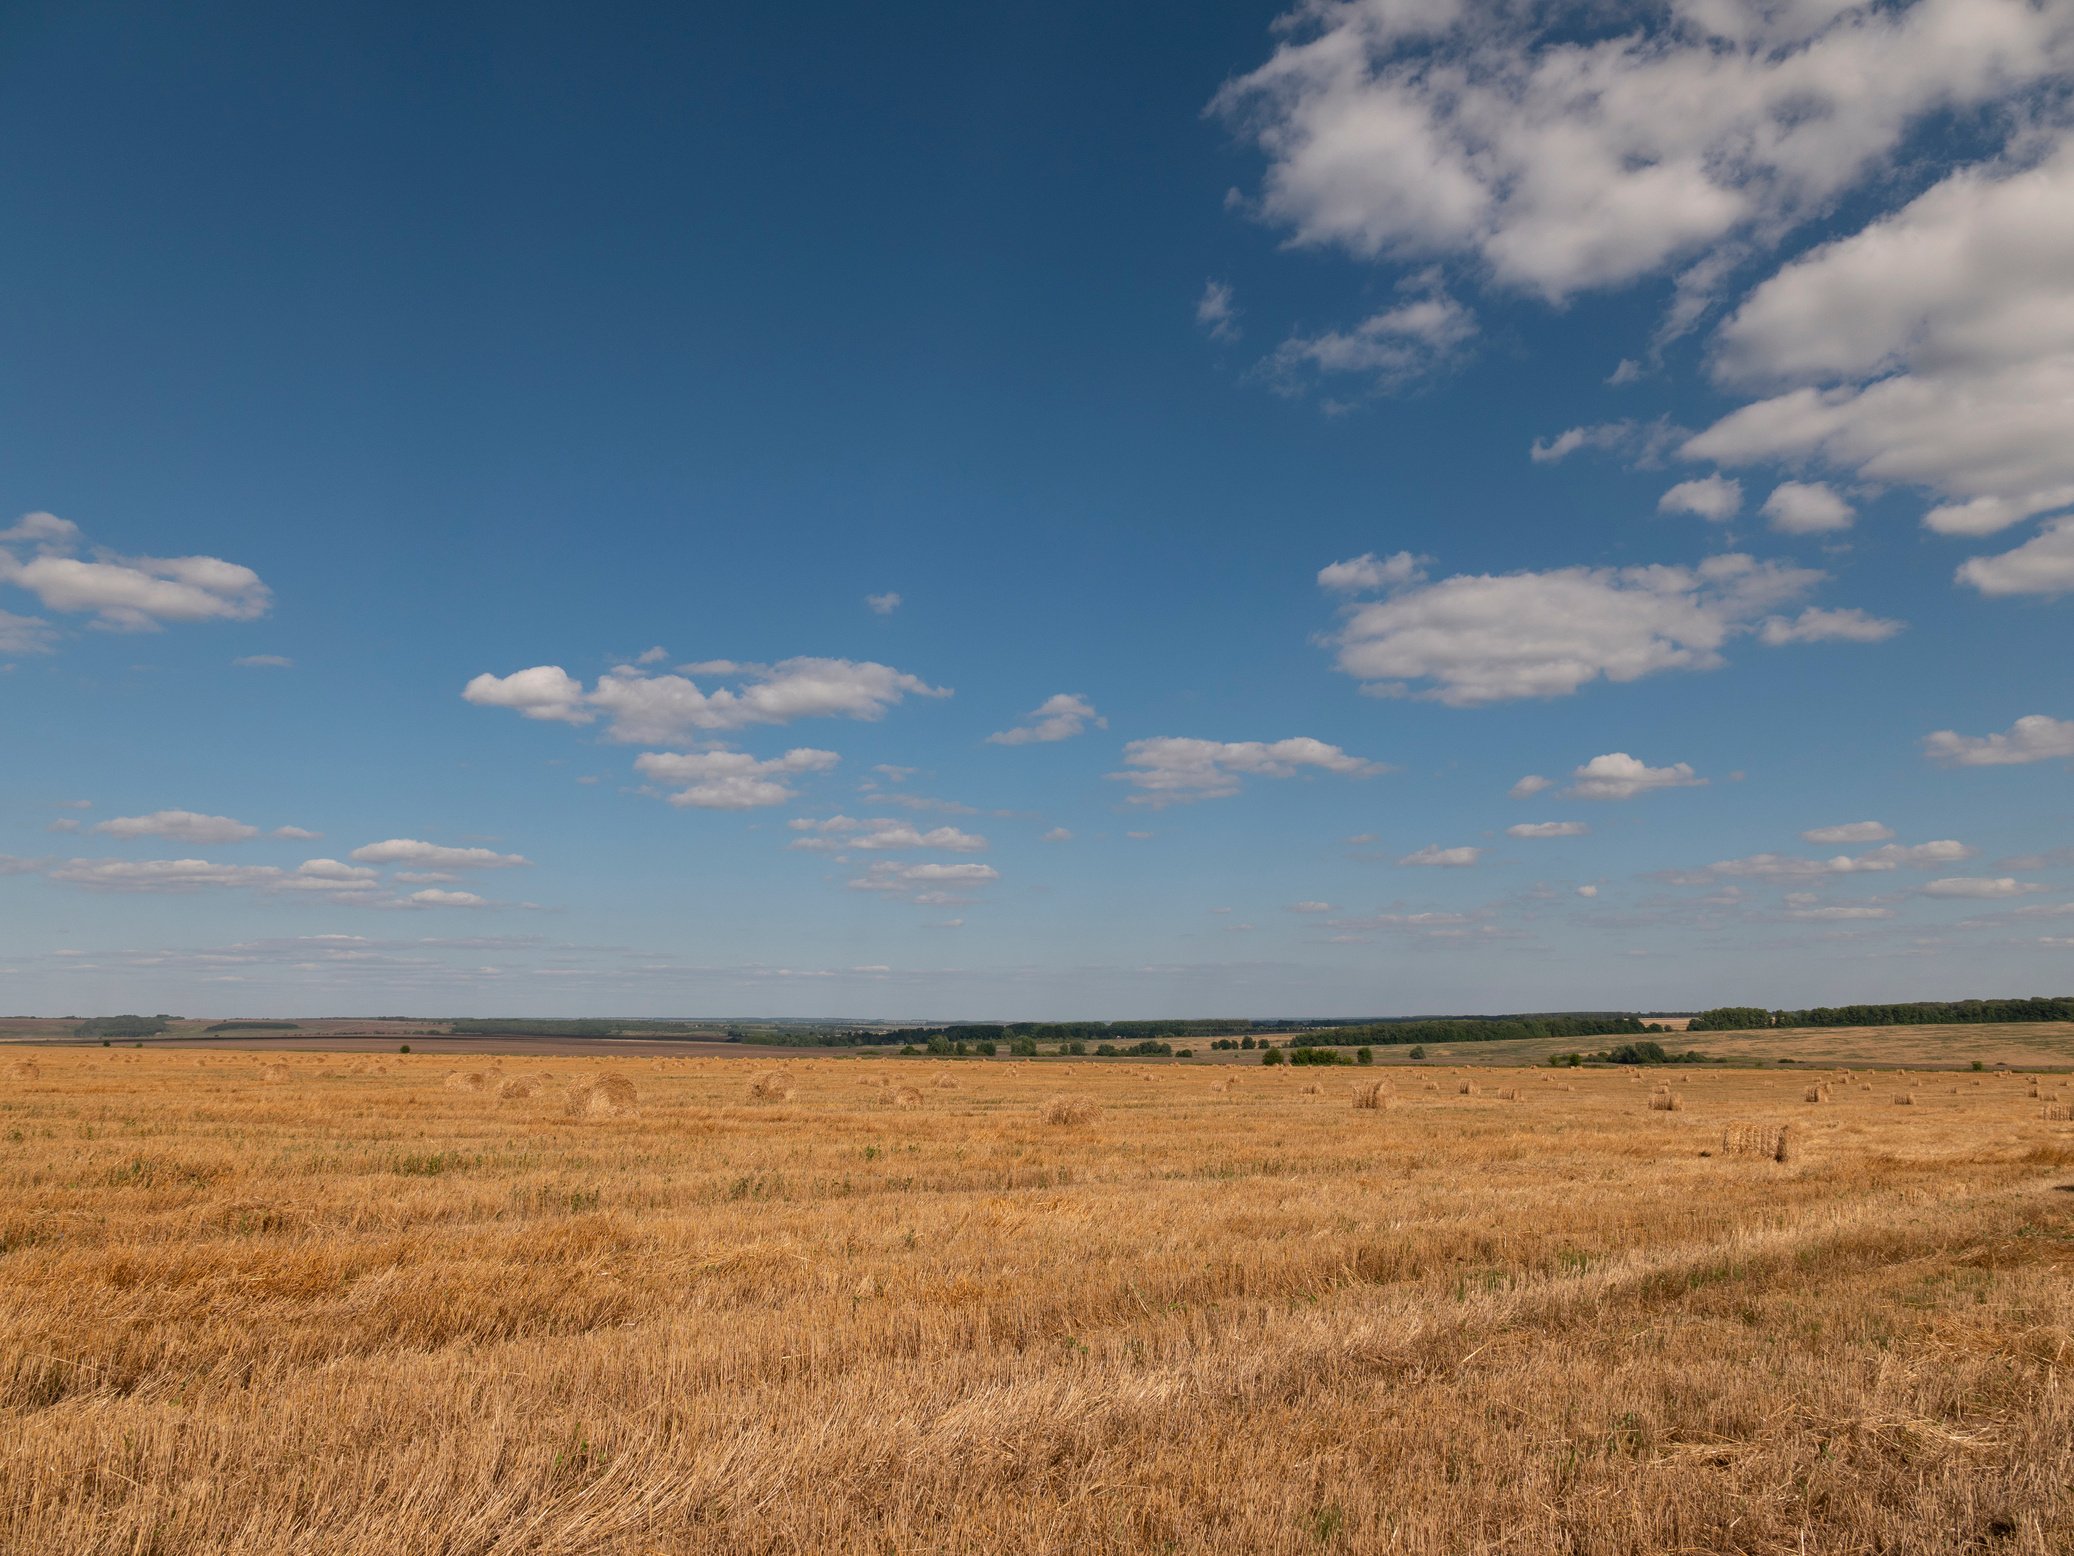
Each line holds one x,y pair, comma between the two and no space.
440,1303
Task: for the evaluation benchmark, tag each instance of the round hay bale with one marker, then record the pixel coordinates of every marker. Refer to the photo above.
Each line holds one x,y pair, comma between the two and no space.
516,1088
771,1086
600,1096
467,1080
25,1070
945,1083
906,1097
276,1074
1071,1111
1372,1096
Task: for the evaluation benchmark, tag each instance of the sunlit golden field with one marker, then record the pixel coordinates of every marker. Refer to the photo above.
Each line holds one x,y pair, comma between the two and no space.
329,1303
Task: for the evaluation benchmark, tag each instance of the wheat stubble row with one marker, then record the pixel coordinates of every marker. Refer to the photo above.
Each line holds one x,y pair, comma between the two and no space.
370,1307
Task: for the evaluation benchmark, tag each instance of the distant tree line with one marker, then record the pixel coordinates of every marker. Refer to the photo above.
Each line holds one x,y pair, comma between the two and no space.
255,1026
1644,1052
1479,1029
122,1026
586,1028
1750,1018
1049,1032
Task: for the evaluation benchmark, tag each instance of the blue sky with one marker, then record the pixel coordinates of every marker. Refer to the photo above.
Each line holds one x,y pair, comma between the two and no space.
628,482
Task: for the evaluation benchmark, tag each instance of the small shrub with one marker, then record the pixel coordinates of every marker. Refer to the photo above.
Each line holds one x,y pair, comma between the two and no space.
1272,1056
403,1048
1364,1055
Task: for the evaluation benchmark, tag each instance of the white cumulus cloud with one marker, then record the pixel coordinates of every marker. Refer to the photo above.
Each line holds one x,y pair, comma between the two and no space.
126,593
1483,638
1817,625
1217,312
924,883
1443,858
1368,572
847,832
1981,887
404,850
1563,148
1849,832
1548,829
1419,335
675,709
1807,508
1934,348
181,826
1618,776
732,780
2034,738
1716,498
1059,717
1173,769
2043,565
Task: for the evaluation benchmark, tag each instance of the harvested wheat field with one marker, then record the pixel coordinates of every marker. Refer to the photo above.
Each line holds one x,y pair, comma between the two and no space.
643,1306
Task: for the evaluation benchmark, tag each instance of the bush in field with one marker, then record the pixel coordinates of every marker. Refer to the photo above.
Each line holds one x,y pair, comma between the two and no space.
1271,1056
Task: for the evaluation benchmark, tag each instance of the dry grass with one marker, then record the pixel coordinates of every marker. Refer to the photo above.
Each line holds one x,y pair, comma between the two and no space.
364,1314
